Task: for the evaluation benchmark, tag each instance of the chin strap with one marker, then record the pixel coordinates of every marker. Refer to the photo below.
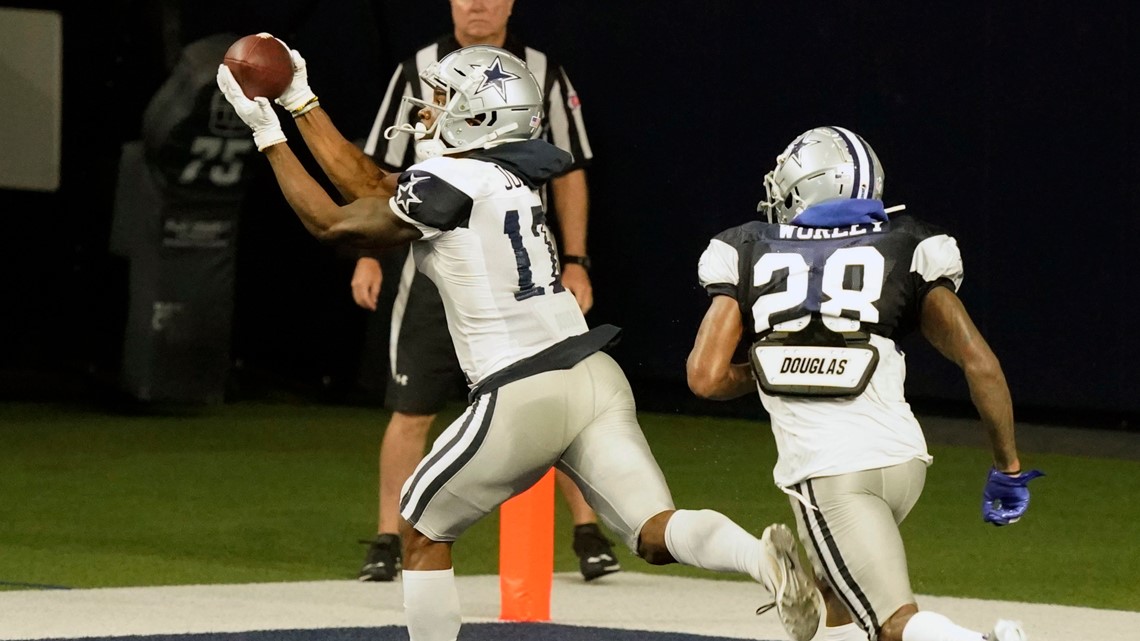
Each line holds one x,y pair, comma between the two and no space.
482,141
430,148
434,147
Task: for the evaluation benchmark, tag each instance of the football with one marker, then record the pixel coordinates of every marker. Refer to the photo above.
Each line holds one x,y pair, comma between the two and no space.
261,65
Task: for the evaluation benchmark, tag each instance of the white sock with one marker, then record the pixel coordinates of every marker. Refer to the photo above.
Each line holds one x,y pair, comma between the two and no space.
431,604
710,540
849,632
931,626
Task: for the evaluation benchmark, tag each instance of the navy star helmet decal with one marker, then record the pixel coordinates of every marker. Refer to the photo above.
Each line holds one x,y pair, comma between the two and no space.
495,77
799,144
405,193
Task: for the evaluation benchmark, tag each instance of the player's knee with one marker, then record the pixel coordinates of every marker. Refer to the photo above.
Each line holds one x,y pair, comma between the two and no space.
654,554
837,612
825,590
651,541
408,534
421,552
892,628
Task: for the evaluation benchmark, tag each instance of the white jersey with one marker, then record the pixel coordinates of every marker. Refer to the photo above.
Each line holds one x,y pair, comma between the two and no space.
875,275
486,247
824,437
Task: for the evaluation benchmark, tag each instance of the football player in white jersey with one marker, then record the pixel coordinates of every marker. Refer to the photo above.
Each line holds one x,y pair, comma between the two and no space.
820,293
543,393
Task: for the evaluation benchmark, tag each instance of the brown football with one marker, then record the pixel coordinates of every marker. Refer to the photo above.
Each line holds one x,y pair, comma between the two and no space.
261,65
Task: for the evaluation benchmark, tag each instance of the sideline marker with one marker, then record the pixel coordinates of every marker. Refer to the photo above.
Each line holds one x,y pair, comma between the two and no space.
526,553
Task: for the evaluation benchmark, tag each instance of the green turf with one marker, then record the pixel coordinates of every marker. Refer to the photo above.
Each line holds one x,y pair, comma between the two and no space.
282,492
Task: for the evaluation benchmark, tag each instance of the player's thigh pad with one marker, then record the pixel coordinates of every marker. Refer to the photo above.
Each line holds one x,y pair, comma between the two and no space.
610,459
502,444
853,539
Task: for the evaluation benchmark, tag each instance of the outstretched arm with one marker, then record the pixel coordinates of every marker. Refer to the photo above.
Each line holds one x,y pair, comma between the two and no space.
365,222
710,370
949,328
351,171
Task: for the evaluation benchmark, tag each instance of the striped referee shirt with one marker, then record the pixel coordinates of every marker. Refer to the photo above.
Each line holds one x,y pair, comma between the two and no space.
563,125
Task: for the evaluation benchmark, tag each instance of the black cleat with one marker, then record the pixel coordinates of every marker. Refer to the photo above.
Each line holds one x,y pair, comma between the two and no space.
382,563
595,556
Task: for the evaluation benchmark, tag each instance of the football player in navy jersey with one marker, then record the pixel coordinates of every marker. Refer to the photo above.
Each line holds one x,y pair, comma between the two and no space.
821,293
543,393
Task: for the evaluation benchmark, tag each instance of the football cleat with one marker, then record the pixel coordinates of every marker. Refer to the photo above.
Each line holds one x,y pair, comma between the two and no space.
595,555
382,562
796,599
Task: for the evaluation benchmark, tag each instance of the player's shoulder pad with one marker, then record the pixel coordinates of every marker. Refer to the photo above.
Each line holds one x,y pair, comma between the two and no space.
746,233
719,265
427,194
936,255
533,161
919,229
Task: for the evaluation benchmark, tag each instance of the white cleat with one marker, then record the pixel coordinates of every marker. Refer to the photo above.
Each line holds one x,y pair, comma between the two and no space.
1007,631
796,597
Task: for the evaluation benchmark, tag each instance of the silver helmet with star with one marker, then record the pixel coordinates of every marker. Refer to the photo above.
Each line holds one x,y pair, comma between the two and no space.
492,98
821,164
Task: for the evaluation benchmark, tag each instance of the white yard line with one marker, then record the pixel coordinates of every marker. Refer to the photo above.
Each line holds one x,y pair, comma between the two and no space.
627,600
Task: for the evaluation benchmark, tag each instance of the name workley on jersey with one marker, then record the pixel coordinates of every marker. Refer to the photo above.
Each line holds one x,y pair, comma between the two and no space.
790,232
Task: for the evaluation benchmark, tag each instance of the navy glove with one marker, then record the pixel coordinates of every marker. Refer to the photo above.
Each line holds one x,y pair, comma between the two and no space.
1006,497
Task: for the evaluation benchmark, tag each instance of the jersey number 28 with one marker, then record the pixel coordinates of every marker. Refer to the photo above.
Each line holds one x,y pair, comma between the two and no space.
857,295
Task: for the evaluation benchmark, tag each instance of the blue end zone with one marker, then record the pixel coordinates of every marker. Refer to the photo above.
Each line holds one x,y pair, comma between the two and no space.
470,632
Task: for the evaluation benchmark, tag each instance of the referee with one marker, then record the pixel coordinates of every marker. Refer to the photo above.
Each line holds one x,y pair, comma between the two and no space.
425,372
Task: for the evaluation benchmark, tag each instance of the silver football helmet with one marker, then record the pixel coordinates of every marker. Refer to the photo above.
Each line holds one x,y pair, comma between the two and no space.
821,164
492,98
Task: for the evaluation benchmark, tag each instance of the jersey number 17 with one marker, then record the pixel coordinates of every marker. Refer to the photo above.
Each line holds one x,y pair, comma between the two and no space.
513,229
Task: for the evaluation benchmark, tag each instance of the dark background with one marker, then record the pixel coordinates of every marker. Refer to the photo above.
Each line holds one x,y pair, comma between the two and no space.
1011,126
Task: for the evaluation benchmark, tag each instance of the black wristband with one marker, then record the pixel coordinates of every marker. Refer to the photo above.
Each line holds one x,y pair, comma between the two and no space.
570,259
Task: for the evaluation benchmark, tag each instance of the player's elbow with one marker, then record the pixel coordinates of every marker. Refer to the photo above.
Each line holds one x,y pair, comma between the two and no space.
324,234
982,368
335,234
703,381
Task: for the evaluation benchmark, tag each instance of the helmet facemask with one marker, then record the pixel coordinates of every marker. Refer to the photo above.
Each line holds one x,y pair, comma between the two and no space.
427,139
492,98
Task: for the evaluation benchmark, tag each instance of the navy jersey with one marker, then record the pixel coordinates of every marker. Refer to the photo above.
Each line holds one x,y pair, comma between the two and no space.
869,278
876,274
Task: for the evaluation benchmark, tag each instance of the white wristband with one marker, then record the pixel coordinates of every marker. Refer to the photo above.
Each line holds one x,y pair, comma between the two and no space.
295,99
306,106
268,137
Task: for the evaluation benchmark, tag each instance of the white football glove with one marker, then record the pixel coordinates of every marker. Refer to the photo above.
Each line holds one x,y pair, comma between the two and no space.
257,113
298,98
